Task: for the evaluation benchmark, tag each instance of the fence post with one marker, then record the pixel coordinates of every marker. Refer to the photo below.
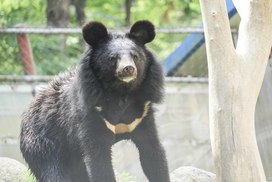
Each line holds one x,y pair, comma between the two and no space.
26,54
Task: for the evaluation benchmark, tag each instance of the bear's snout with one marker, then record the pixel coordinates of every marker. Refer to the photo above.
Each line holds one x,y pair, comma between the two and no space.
126,69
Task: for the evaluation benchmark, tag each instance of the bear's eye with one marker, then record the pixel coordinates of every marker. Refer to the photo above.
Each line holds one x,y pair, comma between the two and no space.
113,58
135,57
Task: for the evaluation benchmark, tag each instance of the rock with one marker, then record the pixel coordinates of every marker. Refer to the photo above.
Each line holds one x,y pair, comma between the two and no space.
191,174
12,170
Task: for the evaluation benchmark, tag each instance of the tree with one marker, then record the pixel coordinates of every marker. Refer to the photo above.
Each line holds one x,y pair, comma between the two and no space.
57,13
235,79
80,13
128,4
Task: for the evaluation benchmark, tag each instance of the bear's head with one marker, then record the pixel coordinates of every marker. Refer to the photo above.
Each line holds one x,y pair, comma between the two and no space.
119,60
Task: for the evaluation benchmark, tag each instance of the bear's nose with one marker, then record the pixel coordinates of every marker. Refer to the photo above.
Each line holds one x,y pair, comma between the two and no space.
129,70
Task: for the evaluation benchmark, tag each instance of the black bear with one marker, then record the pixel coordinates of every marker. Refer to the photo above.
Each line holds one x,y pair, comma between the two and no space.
70,126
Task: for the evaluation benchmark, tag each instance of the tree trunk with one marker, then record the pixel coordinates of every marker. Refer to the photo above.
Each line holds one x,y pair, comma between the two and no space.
80,13
235,79
128,4
57,13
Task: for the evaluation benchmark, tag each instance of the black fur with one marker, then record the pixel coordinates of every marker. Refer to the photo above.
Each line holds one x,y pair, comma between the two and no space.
63,137
94,32
143,30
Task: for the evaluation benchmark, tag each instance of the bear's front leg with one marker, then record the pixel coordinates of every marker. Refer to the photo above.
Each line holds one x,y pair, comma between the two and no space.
98,164
152,155
96,149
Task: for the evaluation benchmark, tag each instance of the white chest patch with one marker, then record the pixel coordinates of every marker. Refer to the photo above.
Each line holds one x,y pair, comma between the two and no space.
122,128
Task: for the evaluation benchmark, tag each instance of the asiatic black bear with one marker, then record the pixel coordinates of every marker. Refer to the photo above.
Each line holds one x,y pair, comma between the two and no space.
69,128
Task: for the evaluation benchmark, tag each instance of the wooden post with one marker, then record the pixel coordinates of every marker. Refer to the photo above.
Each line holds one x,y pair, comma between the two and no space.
26,54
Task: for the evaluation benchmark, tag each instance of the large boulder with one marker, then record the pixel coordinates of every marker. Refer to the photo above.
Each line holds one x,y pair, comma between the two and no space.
12,170
191,174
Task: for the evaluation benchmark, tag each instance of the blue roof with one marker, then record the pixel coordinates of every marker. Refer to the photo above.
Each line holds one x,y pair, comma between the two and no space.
189,45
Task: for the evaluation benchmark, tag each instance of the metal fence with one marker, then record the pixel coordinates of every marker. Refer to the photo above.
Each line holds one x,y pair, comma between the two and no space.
25,30
18,53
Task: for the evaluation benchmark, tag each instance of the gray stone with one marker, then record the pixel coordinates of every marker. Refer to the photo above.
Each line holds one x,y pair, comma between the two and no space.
12,170
191,174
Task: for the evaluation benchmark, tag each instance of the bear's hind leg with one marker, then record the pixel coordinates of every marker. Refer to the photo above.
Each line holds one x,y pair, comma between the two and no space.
43,157
50,172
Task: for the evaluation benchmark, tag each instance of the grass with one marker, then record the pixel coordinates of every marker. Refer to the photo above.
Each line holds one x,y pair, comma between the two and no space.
28,177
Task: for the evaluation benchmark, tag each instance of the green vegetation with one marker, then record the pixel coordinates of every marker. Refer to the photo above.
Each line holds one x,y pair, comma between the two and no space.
28,177
54,53
126,177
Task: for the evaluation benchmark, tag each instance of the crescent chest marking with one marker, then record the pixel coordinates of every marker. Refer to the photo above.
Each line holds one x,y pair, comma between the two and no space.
122,128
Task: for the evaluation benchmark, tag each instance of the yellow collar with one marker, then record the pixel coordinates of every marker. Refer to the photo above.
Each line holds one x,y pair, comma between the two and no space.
122,128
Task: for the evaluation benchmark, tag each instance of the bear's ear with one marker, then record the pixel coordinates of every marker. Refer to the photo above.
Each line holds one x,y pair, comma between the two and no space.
94,32
143,31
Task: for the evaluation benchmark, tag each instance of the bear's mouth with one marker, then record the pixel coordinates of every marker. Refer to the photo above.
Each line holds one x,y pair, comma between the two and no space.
127,79
126,73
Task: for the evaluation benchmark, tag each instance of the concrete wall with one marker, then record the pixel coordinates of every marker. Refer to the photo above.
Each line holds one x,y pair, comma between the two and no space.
182,122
